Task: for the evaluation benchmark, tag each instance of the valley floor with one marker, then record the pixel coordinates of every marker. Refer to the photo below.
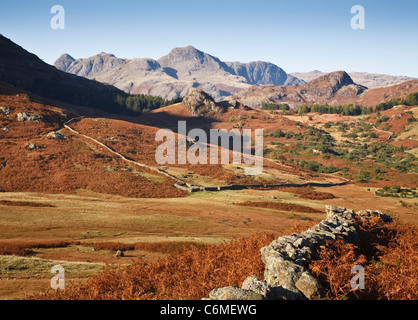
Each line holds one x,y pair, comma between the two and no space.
87,220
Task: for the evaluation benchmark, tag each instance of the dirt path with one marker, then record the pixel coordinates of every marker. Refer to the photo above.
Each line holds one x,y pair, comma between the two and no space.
182,185
66,125
388,132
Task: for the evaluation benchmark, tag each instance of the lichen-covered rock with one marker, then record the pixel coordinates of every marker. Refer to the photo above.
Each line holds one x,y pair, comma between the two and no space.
200,103
234,293
309,286
287,259
24,116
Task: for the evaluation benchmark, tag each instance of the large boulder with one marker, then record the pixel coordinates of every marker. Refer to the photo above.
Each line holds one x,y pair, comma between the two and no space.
200,103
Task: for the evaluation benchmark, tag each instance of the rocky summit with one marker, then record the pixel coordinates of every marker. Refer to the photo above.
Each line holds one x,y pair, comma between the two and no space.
176,73
369,80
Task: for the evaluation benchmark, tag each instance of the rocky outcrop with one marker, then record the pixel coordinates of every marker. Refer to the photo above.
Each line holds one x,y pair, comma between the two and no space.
200,103
5,110
56,135
261,72
29,117
333,88
287,259
369,80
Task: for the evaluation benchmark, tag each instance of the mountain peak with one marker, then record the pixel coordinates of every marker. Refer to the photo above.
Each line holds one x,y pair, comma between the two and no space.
183,53
336,79
63,62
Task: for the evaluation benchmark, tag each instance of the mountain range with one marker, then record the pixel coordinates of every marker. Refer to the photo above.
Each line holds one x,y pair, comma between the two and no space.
183,69
251,84
176,73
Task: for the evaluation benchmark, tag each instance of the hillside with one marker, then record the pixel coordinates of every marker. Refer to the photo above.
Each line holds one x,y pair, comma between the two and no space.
335,88
23,70
176,73
82,187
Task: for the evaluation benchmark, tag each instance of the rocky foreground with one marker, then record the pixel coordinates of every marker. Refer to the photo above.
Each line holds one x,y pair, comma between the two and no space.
286,275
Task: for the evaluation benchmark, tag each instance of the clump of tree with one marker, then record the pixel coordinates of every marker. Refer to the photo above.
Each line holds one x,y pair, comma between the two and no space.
277,134
388,104
357,110
275,106
412,99
397,192
317,167
345,110
140,103
363,177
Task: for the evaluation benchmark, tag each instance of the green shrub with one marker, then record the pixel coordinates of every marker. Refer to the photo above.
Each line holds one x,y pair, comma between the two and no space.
412,99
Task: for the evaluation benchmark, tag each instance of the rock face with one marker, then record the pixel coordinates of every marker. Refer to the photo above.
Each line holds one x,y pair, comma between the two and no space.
260,72
287,275
177,73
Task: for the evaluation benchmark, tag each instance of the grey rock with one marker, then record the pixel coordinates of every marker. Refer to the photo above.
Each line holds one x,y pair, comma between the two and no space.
287,259
256,285
5,110
309,286
200,103
119,254
56,135
24,116
32,146
234,293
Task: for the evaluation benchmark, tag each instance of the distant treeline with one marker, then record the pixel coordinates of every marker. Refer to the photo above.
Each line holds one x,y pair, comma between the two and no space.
345,110
92,94
140,103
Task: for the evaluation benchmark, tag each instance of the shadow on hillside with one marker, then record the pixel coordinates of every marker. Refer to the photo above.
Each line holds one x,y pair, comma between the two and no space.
160,120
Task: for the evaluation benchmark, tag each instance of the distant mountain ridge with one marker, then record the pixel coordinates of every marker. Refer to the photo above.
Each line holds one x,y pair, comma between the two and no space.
369,80
176,73
333,88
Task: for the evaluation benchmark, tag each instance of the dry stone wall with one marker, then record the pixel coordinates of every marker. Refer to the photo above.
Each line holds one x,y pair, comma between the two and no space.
287,259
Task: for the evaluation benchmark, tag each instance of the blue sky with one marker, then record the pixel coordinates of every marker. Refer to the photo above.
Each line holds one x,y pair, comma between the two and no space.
296,35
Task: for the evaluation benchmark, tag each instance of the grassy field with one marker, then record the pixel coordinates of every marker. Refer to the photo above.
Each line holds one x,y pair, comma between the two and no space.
202,218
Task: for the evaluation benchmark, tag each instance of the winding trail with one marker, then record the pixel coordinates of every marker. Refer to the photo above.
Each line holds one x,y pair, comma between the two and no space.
388,132
66,125
182,185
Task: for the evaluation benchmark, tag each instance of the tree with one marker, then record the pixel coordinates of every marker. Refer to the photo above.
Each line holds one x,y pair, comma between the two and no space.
412,99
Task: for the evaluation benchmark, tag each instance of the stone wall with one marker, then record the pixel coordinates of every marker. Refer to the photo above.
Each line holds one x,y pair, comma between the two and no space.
286,275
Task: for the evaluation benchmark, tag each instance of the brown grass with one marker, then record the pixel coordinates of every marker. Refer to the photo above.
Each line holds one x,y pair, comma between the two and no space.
168,247
307,193
25,204
388,255
23,248
190,275
279,206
